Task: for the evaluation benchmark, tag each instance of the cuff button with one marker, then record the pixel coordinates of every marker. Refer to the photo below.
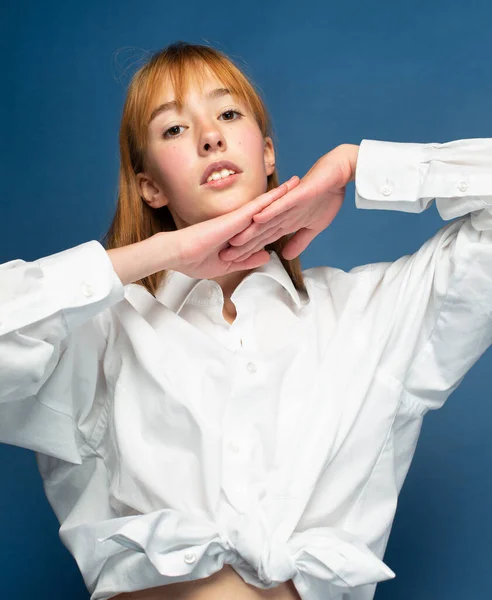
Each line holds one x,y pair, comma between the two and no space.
190,557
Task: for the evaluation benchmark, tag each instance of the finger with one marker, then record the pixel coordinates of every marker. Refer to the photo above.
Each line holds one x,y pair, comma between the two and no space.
275,208
255,229
275,235
237,252
254,260
272,236
298,243
252,231
274,194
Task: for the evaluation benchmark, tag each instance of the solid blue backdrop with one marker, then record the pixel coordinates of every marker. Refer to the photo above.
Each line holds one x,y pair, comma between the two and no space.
330,73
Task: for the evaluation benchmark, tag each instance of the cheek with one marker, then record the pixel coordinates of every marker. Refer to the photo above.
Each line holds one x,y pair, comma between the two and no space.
251,144
172,163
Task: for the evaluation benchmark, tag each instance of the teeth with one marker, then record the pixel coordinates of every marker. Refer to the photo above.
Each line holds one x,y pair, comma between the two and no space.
220,174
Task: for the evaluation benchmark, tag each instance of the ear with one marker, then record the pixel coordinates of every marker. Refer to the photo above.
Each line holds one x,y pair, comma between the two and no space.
269,156
150,191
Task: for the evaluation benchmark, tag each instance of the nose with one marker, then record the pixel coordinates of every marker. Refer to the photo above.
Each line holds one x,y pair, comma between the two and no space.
212,139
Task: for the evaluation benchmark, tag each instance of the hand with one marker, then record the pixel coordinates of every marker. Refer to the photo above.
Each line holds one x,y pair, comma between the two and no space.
196,248
306,209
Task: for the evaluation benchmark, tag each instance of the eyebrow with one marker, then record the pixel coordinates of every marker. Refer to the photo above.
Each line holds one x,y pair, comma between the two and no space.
217,93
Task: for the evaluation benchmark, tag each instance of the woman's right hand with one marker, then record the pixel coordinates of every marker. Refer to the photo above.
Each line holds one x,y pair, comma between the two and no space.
194,250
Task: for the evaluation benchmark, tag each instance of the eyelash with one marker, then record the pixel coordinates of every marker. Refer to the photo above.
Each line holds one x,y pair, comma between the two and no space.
230,110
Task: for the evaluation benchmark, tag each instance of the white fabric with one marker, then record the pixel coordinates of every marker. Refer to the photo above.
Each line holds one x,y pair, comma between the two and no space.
171,442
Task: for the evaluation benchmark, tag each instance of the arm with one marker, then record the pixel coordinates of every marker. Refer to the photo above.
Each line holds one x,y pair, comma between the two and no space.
434,306
136,261
408,177
54,324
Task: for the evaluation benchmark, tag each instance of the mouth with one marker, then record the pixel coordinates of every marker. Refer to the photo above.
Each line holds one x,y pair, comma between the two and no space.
222,183
217,167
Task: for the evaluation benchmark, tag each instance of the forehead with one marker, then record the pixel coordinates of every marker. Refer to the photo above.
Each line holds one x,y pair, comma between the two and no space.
193,81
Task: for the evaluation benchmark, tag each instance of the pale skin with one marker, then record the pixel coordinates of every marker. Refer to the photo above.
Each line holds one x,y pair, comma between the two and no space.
182,144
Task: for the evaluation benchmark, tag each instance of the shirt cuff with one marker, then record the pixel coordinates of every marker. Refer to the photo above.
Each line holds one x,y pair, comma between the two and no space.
388,176
409,176
79,283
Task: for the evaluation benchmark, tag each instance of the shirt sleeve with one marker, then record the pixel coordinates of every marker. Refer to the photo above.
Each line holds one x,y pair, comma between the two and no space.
432,309
53,335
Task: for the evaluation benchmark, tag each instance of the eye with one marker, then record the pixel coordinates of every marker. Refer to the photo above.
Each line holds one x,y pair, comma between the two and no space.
174,130
227,112
165,134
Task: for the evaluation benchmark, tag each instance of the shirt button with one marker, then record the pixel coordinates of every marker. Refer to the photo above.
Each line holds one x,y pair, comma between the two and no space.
386,190
252,367
190,557
87,290
463,186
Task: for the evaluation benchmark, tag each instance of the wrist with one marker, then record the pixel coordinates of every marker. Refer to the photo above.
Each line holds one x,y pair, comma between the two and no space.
138,260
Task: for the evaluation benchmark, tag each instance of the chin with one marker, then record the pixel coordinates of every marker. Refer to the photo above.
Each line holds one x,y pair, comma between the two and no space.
225,203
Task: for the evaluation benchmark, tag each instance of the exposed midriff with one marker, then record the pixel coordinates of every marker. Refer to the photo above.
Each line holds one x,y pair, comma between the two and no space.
225,584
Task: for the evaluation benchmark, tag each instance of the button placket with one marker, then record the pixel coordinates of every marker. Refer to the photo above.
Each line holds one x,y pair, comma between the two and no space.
234,472
238,422
235,337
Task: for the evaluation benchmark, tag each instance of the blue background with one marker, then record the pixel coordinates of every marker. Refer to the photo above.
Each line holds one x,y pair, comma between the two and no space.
331,73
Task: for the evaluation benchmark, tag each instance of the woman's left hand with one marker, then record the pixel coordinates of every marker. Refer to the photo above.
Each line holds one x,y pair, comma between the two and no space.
307,209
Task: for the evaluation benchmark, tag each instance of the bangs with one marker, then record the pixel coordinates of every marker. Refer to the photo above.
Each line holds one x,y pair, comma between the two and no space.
179,74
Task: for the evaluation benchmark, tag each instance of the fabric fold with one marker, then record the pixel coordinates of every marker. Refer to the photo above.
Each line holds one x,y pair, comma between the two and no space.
338,557
176,544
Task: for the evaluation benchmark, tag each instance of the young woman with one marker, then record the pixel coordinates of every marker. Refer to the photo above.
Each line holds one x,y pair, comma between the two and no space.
211,422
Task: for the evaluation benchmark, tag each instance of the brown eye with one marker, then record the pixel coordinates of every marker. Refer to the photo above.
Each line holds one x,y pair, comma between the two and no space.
171,129
228,112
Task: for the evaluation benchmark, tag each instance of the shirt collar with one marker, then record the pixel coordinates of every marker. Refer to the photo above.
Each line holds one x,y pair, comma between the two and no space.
178,287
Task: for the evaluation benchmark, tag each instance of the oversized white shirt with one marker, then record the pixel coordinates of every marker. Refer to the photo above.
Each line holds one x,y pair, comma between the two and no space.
171,442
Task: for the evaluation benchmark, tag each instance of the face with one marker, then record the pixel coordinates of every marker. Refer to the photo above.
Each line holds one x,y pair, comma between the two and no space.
182,144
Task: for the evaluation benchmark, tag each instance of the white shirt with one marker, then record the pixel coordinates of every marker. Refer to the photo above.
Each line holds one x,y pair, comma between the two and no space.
171,442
